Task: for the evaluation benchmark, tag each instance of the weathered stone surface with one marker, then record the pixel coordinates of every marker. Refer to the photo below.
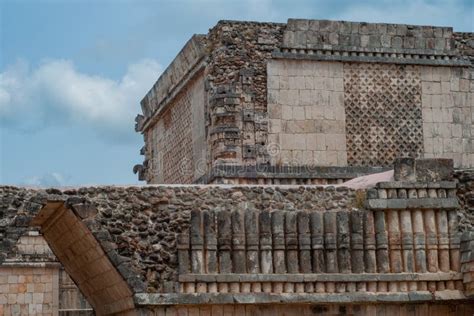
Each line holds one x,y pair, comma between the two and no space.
291,242
278,94
224,243
465,195
278,234
404,169
433,170
210,241
252,240
421,203
317,235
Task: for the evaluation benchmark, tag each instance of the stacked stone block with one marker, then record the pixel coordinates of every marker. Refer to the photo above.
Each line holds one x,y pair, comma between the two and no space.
176,146
306,113
84,259
31,283
448,120
29,290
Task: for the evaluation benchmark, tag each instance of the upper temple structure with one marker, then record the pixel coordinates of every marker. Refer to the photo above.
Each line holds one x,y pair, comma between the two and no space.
324,168
309,101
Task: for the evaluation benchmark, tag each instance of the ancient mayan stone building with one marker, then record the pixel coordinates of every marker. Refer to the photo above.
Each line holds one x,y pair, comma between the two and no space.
293,111
254,102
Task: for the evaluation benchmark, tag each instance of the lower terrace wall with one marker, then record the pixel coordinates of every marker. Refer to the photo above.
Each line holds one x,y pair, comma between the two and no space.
215,244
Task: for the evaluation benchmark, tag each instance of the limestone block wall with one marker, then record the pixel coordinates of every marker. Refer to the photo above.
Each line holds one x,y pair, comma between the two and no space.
306,113
391,74
32,281
369,113
448,114
29,278
29,289
361,36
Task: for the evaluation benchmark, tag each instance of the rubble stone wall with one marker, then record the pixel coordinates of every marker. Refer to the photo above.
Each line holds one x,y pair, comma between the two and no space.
465,195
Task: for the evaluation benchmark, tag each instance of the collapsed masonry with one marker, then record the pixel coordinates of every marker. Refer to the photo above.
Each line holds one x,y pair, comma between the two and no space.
284,108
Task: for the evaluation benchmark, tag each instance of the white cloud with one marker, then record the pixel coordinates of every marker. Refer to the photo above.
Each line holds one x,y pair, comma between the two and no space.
53,179
56,93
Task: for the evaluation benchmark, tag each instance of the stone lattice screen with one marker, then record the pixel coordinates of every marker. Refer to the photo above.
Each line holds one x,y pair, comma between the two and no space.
176,144
383,113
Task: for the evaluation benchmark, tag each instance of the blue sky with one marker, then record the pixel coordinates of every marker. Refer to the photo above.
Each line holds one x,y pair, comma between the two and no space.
72,73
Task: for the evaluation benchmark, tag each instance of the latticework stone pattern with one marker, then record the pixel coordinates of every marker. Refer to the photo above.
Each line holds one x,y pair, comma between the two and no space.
175,142
383,113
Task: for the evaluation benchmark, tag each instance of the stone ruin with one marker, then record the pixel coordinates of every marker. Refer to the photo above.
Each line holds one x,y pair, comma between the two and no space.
308,102
308,168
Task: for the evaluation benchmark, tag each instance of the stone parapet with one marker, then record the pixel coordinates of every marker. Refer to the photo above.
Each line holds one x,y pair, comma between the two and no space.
371,37
302,175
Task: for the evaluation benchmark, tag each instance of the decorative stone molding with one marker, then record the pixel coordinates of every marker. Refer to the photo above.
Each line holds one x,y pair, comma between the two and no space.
280,175
370,42
371,57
